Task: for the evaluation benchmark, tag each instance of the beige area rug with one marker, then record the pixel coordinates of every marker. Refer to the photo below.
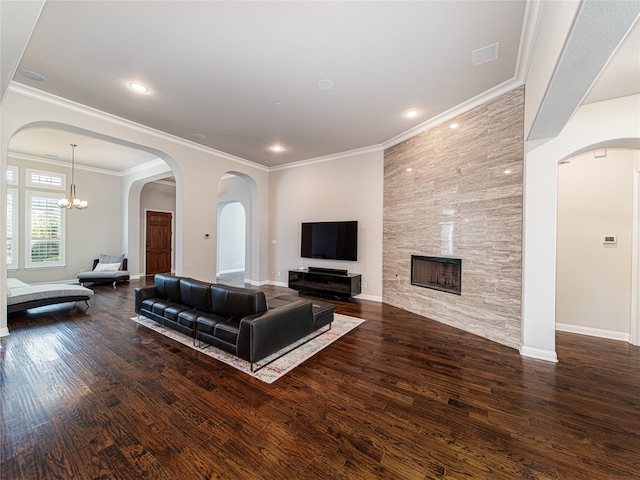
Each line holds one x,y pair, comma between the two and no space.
342,324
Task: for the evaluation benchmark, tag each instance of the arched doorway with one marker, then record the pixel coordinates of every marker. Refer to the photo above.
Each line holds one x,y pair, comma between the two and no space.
238,207
111,223
596,251
231,243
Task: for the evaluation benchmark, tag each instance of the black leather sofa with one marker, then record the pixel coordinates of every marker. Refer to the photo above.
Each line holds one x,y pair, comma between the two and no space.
237,320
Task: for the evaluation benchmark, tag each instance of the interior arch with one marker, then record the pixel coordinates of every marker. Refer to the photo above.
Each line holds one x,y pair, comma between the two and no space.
160,166
239,187
580,321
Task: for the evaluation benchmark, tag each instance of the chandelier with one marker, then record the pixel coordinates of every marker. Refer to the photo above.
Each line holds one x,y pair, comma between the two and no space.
72,201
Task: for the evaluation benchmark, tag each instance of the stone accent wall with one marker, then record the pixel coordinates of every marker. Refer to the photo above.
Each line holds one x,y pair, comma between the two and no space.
458,193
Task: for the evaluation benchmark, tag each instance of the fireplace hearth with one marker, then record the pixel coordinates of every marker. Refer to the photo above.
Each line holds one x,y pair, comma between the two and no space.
437,273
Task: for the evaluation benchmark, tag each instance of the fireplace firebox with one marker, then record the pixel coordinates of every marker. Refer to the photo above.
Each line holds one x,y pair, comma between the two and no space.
438,273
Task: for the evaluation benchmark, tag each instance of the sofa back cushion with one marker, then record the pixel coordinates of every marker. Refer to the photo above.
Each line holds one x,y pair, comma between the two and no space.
219,300
168,286
236,303
196,294
243,303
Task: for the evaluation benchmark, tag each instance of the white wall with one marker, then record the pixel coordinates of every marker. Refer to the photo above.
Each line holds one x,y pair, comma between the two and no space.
345,188
88,232
595,198
593,125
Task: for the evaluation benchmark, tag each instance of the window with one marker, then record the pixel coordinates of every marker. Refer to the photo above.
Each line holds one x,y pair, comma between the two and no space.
12,175
40,179
12,228
45,227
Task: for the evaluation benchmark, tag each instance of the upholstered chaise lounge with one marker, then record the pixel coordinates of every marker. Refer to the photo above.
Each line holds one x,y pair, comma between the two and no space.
106,269
233,319
22,296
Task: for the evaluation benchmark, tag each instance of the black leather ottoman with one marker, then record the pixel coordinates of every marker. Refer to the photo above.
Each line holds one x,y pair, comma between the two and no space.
322,311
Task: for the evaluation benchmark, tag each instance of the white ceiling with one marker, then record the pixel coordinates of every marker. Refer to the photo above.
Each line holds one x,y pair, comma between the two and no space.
221,69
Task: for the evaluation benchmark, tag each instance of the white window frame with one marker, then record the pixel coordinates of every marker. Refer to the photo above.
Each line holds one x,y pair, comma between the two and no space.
12,175
28,242
42,173
13,193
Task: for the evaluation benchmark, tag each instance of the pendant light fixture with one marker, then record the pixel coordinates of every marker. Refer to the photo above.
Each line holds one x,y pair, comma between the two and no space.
72,201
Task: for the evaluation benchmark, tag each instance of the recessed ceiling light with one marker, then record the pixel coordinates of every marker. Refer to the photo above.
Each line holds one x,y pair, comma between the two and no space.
454,125
411,113
277,104
138,87
326,85
32,75
199,136
50,155
277,148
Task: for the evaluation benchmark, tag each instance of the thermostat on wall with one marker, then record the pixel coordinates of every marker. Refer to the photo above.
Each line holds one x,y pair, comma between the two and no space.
609,239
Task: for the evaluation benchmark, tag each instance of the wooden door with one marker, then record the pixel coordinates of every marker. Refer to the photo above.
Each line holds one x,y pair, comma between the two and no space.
158,249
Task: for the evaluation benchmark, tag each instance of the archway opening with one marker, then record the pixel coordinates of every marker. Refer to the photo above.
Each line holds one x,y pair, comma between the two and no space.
238,229
595,243
231,243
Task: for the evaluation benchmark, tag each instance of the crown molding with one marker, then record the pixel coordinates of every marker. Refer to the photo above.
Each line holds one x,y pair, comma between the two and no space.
49,98
49,161
454,112
329,158
60,163
530,25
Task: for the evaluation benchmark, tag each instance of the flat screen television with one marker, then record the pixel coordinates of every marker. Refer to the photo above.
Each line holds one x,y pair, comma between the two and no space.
330,240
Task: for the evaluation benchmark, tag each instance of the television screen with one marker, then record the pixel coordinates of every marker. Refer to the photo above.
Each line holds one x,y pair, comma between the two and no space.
330,240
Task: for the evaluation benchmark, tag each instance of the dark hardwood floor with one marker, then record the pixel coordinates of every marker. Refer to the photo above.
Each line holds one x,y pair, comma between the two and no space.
93,395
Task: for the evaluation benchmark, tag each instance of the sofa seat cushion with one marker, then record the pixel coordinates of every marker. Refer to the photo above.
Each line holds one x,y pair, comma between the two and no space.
207,323
147,304
322,311
161,306
172,311
227,331
189,317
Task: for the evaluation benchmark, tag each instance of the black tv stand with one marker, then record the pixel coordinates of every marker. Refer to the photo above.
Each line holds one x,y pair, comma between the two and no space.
333,271
326,282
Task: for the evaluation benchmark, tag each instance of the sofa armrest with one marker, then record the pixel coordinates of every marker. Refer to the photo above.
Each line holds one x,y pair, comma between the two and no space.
141,294
265,333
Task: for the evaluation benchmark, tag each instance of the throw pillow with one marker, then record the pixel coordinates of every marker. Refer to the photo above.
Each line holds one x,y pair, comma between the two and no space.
102,258
107,267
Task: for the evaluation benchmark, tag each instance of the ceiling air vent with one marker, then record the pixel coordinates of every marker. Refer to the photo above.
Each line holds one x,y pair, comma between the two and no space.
485,54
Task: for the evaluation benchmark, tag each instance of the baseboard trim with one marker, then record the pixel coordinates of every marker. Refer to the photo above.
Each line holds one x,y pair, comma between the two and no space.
594,332
4,332
547,355
373,298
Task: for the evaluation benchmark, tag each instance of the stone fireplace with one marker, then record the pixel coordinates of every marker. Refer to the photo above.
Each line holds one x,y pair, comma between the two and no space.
457,193
438,273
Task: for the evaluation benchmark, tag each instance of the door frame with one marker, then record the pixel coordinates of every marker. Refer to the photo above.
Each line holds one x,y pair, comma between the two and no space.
144,237
634,332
